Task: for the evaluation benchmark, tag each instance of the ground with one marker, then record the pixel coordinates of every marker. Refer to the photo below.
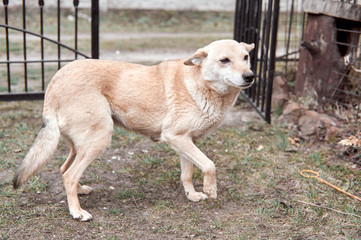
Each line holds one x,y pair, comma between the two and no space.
137,190
138,194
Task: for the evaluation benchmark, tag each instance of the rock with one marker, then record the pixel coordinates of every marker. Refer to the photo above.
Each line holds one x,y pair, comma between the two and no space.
309,123
333,132
329,121
280,92
291,113
319,124
240,118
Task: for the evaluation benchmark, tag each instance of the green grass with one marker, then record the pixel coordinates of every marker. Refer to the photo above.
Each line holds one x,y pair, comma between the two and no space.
137,191
167,21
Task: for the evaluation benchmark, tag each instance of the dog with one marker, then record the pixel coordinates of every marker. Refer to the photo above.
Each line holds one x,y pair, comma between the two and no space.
175,101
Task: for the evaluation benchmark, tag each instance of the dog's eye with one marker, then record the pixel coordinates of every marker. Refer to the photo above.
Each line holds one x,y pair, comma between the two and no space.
245,58
225,60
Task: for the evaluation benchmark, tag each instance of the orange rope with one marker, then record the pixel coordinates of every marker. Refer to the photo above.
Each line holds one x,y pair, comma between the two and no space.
313,174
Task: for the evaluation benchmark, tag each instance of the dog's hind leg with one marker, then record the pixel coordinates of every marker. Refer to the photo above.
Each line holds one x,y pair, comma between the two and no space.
71,177
69,160
81,189
89,135
186,178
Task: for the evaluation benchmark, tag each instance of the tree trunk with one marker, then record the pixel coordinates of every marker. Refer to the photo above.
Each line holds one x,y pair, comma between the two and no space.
322,71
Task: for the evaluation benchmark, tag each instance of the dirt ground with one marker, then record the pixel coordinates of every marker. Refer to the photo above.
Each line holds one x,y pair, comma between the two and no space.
138,194
137,190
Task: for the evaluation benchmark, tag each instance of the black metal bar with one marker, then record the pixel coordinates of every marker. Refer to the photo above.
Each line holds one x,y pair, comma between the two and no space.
24,49
272,60
41,5
95,28
259,78
263,59
252,23
354,78
345,92
256,34
21,96
236,21
347,30
346,44
242,27
44,37
76,4
58,31
267,42
258,110
26,95
38,61
6,3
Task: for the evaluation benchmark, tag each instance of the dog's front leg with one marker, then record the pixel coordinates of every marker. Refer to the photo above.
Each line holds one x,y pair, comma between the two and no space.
186,178
189,152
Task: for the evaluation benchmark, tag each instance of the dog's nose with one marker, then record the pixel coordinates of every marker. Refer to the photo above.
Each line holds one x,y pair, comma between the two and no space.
248,77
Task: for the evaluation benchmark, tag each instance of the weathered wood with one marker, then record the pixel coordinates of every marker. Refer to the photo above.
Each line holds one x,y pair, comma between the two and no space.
320,60
333,8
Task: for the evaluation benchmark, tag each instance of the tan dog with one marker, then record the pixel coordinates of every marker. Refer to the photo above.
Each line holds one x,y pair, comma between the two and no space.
176,102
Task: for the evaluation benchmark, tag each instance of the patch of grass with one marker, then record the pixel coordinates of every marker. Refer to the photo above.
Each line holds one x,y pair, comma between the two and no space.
130,194
282,142
154,162
167,21
260,190
192,43
122,138
35,184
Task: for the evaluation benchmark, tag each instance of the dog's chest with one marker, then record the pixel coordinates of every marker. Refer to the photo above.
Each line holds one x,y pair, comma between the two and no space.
208,115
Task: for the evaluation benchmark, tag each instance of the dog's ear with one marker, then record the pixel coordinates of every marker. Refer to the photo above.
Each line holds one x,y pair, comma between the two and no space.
196,59
248,47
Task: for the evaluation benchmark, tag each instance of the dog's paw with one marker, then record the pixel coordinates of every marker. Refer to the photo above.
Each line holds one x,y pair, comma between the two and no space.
84,190
81,215
196,196
210,191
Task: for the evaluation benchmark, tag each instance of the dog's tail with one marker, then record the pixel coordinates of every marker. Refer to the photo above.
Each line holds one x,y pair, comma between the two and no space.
43,148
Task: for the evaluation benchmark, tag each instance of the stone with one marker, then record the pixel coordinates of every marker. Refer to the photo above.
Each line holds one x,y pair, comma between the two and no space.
280,93
309,123
291,113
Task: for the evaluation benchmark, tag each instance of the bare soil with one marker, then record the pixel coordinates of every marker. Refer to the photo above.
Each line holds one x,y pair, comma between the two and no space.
137,190
138,195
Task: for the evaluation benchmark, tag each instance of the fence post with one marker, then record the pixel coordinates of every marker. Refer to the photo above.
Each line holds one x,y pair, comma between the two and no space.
272,61
95,29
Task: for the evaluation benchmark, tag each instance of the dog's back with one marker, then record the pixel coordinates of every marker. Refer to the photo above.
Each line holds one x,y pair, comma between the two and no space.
176,102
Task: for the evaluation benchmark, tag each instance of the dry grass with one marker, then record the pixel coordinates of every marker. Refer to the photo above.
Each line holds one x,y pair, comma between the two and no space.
138,194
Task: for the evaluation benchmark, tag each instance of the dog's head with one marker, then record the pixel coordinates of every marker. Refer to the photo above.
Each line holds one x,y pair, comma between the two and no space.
224,64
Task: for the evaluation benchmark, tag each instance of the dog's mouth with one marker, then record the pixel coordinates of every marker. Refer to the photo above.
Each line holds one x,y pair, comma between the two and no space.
247,85
242,85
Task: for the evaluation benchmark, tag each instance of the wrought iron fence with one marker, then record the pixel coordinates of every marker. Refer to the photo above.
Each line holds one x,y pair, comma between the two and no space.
269,27
12,61
256,25
346,97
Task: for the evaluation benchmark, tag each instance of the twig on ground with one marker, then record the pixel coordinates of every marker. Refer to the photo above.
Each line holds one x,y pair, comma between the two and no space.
331,209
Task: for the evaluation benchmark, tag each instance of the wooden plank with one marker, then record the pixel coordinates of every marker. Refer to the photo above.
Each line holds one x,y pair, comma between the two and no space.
334,9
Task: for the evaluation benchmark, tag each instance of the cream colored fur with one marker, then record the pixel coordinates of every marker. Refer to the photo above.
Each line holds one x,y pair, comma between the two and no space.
176,102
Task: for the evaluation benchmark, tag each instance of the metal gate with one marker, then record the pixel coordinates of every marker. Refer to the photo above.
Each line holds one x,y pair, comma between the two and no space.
22,62
257,22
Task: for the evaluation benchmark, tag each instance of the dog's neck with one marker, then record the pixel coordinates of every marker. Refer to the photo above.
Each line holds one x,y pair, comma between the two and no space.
203,92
